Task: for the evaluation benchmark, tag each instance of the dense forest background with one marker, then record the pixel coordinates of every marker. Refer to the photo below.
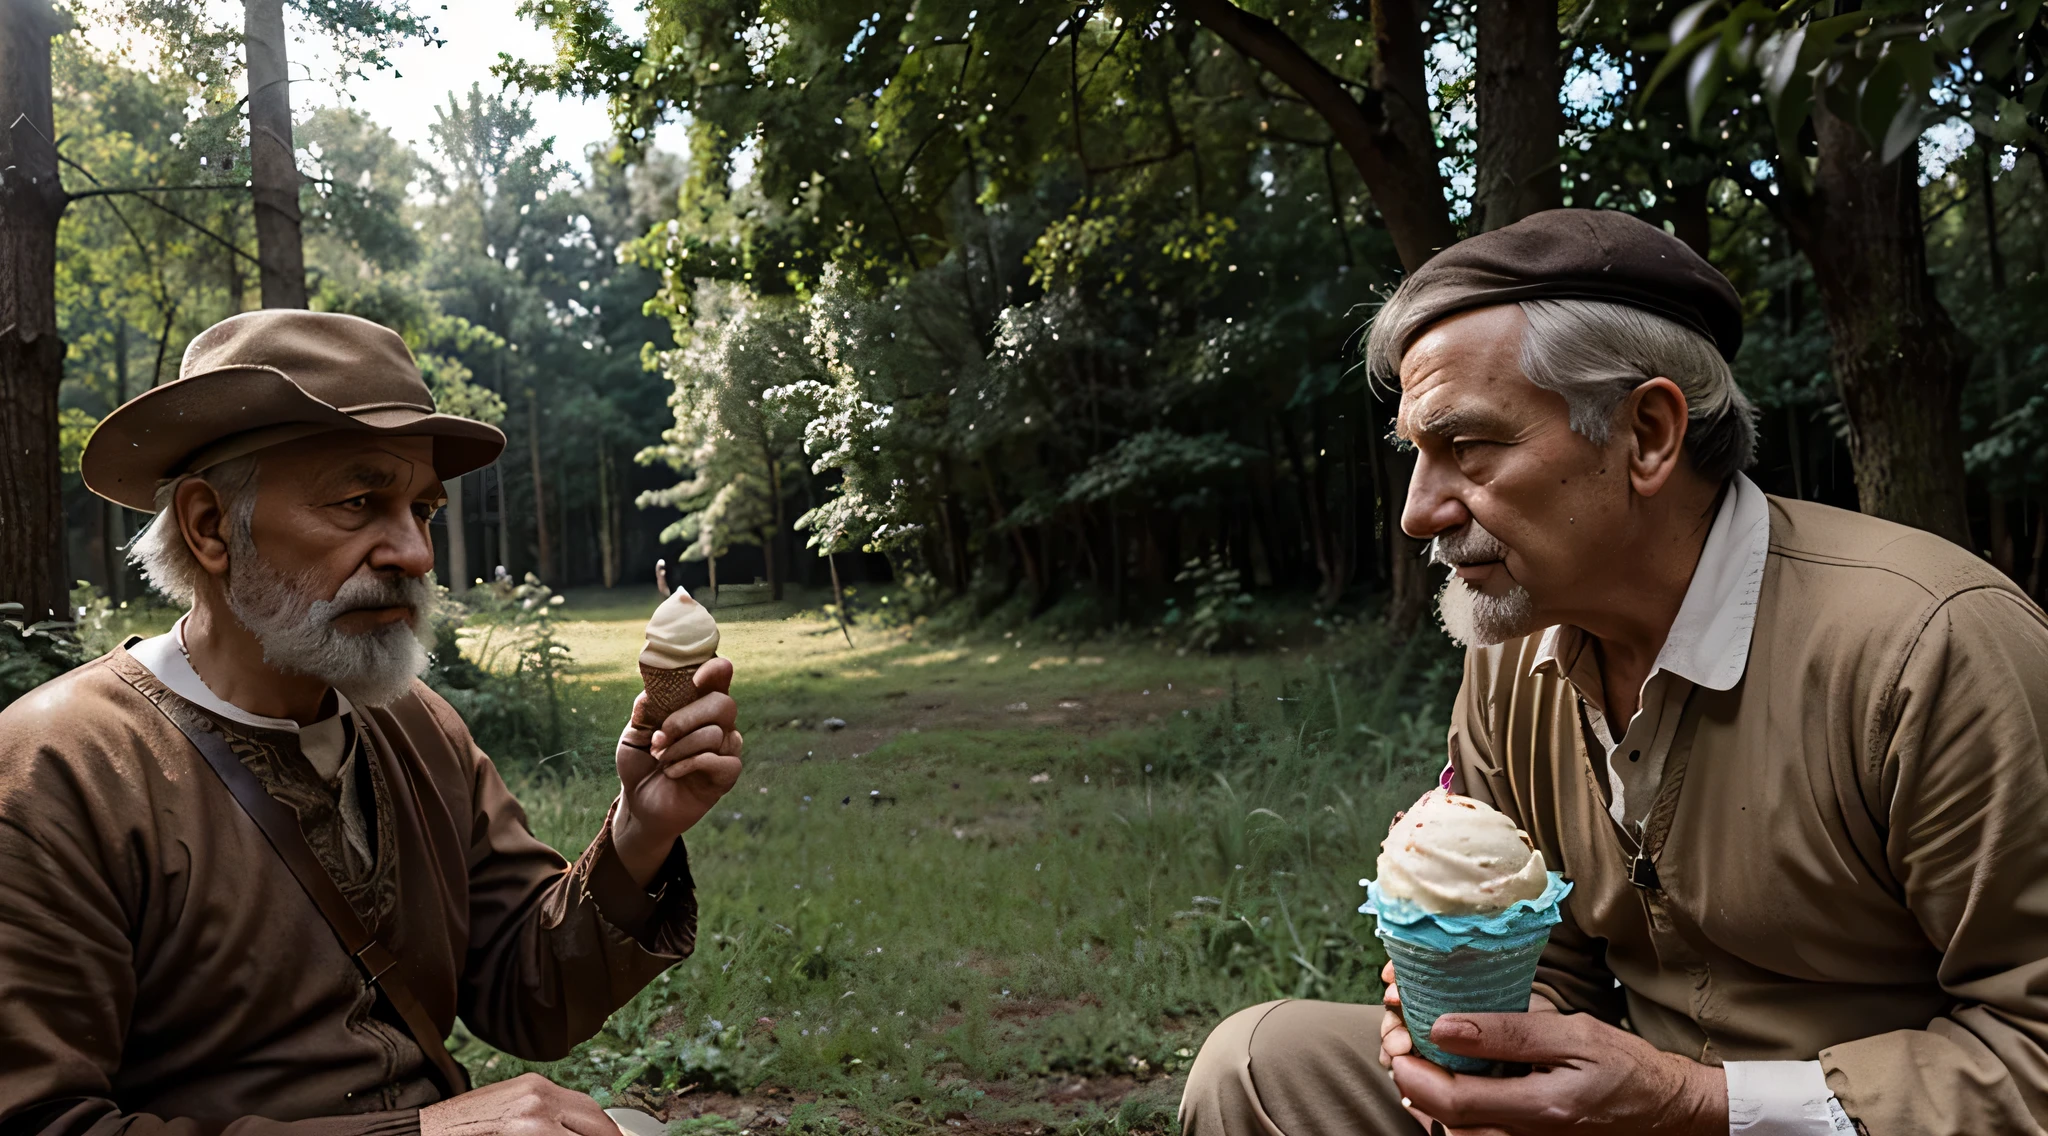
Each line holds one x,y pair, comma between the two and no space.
1056,306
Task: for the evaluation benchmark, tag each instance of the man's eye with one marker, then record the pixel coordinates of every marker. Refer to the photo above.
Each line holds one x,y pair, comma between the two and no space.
425,512
358,502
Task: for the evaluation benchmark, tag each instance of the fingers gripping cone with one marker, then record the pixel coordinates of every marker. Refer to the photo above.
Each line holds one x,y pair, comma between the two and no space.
681,637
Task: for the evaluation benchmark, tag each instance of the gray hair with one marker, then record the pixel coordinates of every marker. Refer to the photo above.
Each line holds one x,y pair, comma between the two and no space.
1594,353
160,551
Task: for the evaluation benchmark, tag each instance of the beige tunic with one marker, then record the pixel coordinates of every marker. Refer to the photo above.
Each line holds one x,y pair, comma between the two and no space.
1850,845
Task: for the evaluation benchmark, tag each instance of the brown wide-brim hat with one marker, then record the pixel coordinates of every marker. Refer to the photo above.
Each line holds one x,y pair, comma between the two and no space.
265,378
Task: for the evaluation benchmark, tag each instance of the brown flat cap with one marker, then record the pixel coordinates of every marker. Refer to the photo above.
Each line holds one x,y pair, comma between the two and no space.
1566,254
264,378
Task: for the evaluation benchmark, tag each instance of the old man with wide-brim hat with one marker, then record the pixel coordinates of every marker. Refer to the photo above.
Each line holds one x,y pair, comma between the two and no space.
252,869
1790,756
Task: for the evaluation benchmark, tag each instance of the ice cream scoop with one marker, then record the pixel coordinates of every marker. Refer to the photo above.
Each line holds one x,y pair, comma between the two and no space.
681,634
681,637
1452,855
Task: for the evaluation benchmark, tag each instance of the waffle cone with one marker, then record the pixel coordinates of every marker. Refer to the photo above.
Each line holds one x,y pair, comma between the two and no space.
1488,975
669,689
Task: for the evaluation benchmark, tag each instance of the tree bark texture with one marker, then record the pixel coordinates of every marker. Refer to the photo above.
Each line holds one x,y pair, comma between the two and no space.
31,355
607,512
274,171
775,533
1520,69
116,522
458,539
543,549
1898,359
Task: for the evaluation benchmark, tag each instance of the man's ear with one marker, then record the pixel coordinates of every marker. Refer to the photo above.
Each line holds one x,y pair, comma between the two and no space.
203,522
1655,416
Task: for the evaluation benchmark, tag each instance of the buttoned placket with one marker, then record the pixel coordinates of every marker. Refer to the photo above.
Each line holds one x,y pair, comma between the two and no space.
1637,778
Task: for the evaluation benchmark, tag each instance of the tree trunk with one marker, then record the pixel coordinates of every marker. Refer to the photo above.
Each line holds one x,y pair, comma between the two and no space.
1520,69
2000,523
839,599
1899,361
564,570
711,564
607,534
273,169
458,539
31,354
542,548
504,522
1686,208
117,515
774,534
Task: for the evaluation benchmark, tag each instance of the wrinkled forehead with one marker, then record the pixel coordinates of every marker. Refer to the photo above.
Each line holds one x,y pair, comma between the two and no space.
353,461
1469,364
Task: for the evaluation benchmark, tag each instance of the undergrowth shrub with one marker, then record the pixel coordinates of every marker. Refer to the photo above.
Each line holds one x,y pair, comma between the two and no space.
508,676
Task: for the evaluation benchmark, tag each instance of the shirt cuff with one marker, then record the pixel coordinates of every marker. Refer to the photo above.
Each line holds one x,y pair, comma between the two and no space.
1778,1098
663,916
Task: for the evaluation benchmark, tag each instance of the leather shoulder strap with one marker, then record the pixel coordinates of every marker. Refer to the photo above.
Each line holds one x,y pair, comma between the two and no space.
280,826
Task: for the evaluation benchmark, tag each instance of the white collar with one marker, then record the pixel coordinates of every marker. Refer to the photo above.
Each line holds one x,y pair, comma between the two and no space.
166,658
1708,644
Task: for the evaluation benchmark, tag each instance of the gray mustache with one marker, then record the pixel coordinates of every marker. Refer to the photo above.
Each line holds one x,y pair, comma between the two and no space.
372,591
1470,544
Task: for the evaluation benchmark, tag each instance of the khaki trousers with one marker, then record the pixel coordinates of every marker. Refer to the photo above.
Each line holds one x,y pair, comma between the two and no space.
1294,1069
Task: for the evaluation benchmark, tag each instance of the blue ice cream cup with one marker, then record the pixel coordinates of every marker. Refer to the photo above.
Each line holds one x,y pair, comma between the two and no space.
1463,964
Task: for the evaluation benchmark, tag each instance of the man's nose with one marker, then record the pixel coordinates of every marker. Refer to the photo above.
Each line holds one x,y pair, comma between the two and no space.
407,547
1431,507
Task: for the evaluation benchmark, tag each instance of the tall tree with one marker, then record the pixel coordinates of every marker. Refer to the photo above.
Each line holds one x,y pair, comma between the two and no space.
274,172
31,354
1386,130
1848,89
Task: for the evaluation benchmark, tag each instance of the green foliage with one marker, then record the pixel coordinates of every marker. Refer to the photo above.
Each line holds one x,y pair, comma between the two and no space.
508,678
733,434
1056,274
1877,66
32,653
205,40
1219,618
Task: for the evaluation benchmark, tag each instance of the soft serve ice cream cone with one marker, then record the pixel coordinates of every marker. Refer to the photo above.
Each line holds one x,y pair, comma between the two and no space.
1465,906
681,637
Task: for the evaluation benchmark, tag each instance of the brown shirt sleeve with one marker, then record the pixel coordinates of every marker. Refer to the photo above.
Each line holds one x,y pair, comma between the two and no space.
553,952
1959,778
68,901
1573,973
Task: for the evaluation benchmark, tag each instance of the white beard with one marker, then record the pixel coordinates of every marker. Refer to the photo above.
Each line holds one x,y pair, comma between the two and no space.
1469,616
298,634
1474,619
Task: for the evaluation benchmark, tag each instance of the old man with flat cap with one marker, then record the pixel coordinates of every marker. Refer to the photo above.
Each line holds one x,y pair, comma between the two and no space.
1791,757
251,870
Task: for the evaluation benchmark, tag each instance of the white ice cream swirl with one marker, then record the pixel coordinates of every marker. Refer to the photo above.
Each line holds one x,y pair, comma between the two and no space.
1452,855
681,634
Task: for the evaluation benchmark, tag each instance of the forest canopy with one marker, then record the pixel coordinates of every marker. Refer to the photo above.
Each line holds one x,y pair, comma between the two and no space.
1058,305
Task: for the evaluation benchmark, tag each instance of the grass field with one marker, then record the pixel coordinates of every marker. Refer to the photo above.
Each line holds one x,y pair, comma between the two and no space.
1019,884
